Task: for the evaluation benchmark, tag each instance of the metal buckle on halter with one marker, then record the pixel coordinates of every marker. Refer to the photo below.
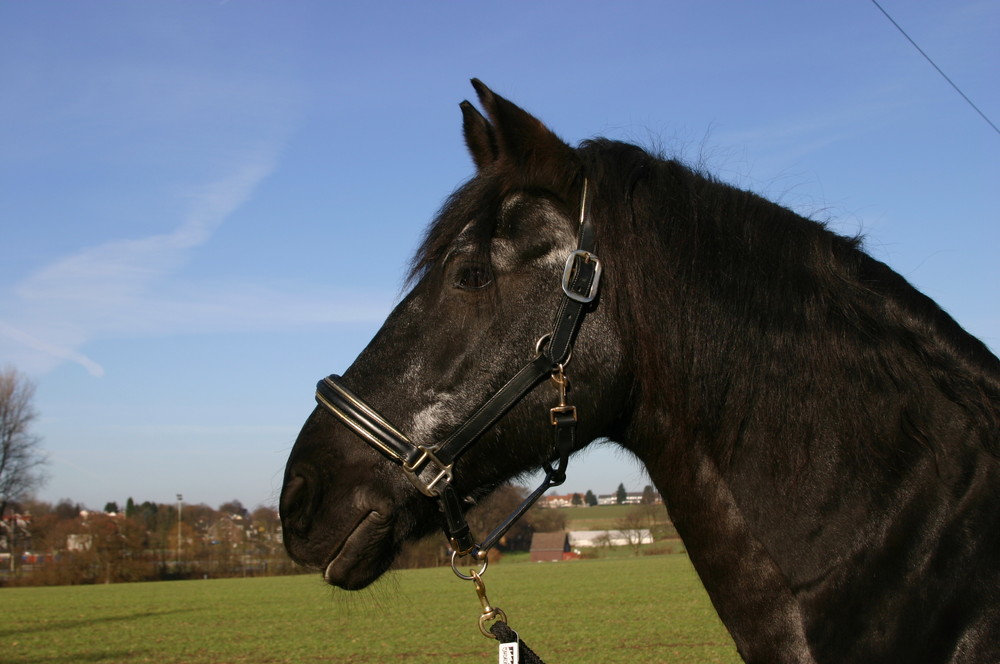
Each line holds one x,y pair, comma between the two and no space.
570,270
417,468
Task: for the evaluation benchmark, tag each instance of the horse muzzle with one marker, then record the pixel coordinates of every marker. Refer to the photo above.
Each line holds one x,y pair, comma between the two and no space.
347,532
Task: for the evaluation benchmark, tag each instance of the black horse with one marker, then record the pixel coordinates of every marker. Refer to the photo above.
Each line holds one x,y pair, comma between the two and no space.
825,437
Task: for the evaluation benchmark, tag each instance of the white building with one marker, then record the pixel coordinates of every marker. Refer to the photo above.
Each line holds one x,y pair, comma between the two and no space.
582,539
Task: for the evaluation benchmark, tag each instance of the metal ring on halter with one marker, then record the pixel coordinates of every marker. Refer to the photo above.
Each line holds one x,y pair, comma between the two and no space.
544,339
468,577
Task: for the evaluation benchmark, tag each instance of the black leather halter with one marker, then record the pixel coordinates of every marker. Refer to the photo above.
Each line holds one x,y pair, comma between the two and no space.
430,467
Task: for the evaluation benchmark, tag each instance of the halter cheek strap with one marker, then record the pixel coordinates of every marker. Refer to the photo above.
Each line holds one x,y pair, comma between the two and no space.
430,467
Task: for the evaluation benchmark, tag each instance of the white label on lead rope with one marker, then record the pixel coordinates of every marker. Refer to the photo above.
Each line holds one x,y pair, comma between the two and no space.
509,653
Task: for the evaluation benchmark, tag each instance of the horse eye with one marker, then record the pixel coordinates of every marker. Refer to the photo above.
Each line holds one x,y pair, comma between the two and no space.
473,277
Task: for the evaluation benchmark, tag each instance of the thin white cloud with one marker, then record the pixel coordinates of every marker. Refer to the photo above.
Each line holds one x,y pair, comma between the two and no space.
49,351
131,287
240,306
99,291
114,274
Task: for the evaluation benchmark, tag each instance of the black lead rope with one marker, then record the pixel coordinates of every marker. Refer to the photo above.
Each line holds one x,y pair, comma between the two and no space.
512,649
504,634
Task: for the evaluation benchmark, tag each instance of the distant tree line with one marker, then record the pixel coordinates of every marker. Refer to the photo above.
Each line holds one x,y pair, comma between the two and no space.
63,544
44,544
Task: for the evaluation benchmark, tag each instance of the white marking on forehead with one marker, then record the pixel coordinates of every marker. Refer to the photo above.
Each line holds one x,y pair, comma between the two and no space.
504,251
553,226
557,255
503,256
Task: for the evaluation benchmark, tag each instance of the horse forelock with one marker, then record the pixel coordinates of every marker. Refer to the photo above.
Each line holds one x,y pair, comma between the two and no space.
470,215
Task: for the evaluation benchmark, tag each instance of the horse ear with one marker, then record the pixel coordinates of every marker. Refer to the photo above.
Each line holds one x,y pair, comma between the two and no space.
479,136
520,139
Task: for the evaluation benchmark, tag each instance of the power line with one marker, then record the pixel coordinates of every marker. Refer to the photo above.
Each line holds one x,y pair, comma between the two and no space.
928,58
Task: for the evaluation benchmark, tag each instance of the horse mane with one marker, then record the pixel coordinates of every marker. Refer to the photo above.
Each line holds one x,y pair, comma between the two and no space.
763,304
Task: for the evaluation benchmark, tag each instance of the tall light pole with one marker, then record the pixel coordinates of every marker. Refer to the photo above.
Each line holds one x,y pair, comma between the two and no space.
180,501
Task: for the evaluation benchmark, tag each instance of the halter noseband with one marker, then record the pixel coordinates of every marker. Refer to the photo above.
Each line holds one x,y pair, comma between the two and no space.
430,467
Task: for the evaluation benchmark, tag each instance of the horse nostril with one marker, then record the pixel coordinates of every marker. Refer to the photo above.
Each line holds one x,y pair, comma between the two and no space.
297,503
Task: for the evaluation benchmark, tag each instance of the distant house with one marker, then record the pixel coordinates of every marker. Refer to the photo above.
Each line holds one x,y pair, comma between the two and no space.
547,547
79,542
631,498
580,539
227,530
554,500
15,531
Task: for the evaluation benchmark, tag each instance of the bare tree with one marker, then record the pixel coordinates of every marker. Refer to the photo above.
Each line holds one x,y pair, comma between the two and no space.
631,528
21,459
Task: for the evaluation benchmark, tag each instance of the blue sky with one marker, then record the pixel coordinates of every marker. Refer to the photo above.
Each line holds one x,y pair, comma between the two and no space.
207,206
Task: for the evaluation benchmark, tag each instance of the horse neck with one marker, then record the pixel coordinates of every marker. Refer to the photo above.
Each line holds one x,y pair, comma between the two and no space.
747,587
776,387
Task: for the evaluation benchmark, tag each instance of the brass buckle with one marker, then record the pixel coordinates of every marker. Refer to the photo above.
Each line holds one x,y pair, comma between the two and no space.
490,612
562,382
561,410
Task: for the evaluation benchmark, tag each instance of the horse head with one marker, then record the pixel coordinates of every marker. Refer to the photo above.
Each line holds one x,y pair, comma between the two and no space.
488,282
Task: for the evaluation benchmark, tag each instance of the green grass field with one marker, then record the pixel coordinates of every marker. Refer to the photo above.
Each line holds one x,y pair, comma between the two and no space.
647,609
599,517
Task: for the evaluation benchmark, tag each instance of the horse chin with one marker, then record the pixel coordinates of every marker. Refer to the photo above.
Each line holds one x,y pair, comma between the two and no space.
365,554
